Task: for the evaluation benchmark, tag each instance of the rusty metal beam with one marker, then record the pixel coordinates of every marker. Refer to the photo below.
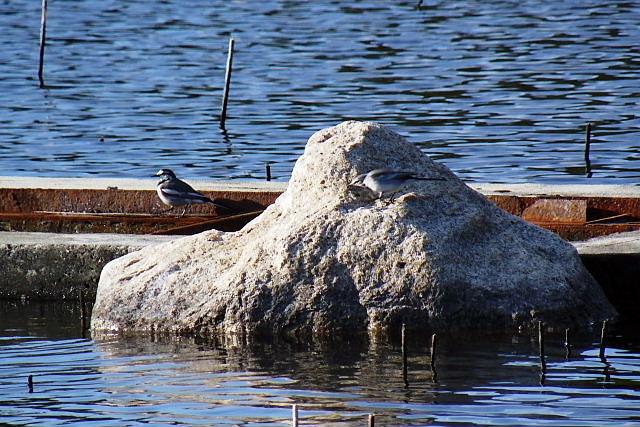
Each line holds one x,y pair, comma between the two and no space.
140,211
556,210
115,200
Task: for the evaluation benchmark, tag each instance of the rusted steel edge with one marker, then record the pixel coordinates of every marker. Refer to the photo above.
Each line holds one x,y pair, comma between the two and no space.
609,218
205,225
140,213
97,216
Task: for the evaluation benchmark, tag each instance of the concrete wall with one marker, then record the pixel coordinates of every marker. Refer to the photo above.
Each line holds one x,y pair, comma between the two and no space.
59,266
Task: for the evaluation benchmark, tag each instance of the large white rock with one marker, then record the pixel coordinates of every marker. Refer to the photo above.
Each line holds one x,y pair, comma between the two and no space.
324,259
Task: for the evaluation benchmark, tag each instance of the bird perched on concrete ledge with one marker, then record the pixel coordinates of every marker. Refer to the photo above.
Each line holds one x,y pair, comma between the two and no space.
175,192
385,181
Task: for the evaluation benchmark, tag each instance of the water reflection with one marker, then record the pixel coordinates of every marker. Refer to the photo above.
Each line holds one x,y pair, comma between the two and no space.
483,379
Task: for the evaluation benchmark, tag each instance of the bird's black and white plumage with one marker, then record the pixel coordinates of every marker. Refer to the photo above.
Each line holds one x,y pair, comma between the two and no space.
385,181
175,192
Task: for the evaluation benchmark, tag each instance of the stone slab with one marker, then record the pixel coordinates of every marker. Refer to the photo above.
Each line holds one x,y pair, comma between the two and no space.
134,241
525,189
57,266
136,184
613,244
614,261
518,189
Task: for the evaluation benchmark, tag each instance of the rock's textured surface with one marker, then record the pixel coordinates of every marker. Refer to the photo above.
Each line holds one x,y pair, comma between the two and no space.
325,259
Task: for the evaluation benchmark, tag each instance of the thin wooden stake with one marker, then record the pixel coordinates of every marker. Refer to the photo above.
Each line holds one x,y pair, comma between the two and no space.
294,410
541,344
404,343
543,365
83,312
30,383
404,353
567,344
372,420
227,83
434,341
587,146
603,334
434,346
43,38
268,172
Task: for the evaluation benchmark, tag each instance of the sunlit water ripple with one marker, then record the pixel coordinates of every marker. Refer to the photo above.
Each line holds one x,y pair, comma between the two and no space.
499,91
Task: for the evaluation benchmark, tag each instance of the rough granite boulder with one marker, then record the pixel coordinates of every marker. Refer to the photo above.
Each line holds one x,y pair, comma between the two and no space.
324,259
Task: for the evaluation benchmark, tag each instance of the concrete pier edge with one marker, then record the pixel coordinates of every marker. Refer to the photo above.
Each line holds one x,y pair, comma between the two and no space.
575,190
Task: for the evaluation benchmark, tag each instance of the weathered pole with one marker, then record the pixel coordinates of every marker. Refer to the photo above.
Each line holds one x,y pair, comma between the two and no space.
43,38
227,83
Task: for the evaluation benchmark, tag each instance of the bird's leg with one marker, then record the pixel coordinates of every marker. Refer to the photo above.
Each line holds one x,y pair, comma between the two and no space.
393,195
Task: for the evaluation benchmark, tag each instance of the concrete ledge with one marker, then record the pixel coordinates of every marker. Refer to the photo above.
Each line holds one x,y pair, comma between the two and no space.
18,182
57,266
613,244
557,190
614,261
135,241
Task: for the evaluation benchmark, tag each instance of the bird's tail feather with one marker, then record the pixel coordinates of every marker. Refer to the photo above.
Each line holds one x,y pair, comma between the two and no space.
211,202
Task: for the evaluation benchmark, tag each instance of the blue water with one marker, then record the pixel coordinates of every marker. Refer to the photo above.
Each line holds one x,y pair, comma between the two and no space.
500,91
480,380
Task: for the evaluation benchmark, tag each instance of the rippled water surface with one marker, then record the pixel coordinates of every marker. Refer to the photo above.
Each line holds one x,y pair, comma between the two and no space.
500,91
485,380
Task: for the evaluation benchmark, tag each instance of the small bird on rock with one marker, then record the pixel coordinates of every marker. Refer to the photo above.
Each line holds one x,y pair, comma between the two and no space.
175,192
385,181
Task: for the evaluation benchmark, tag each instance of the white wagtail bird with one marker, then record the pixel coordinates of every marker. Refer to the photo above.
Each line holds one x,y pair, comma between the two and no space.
385,181
175,192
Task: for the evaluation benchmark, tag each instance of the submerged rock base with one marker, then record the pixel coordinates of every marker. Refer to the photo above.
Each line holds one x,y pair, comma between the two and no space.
327,260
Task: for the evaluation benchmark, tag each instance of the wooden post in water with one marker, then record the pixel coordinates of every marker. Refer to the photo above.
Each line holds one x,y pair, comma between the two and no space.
603,334
372,420
294,414
43,37
227,83
541,344
30,383
587,148
567,344
434,341
543,365
268,172
83,312
404,353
